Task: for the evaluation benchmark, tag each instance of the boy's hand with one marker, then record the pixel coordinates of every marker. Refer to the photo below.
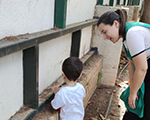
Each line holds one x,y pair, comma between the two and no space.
55,89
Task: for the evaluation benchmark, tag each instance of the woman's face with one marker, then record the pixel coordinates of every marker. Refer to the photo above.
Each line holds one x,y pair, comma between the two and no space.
110,32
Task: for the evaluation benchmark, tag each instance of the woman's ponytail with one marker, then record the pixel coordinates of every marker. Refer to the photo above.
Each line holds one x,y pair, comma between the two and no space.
123,19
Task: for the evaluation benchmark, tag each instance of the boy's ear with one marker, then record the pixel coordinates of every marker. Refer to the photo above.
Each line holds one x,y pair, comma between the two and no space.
64,75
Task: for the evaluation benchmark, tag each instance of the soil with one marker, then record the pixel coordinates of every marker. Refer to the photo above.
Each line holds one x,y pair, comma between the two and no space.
10,38
98,103
105,103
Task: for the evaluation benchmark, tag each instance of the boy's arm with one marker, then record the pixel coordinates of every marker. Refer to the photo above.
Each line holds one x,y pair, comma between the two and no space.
57,102
55,89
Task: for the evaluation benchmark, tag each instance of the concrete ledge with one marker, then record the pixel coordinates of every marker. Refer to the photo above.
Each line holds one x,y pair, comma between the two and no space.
111,56
28,40
89,76
110,52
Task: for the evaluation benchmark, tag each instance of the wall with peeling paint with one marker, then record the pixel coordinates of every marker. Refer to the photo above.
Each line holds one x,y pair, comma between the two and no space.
51,56
29,16
11,84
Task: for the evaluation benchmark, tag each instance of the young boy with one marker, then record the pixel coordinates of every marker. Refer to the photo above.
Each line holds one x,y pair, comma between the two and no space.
70,97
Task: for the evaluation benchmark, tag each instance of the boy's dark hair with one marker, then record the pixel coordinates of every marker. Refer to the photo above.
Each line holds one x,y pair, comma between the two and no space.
108,19
72,68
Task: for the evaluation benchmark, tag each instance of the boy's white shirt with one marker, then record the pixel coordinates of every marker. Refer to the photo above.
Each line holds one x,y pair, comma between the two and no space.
70,100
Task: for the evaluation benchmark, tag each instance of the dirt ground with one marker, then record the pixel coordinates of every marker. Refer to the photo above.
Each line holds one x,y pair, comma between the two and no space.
105,102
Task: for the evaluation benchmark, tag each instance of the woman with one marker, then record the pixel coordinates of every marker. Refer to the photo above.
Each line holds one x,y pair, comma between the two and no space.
136,39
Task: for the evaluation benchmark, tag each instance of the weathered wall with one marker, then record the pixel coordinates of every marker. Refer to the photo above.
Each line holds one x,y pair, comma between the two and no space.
53,52
121,2
11,84
111,56
25,16
79,10
102,9
132,11
86,41
31,16
110,51
105,2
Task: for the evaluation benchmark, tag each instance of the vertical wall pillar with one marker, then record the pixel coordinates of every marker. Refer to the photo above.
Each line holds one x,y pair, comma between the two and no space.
136,2
30,68
60,13
124,2
100,2
75,45
130,2
111,2
118,2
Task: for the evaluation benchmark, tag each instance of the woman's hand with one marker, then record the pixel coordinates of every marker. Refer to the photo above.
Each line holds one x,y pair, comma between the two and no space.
131,100
137,78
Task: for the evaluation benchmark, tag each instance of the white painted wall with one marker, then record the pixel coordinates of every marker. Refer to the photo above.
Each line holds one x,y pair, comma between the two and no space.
25,16
29,16
121,2
85,41
51,56
80,10
140,4
53,52
11,84
105,2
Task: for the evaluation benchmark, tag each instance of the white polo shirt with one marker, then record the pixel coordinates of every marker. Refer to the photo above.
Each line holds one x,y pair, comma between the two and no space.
137,40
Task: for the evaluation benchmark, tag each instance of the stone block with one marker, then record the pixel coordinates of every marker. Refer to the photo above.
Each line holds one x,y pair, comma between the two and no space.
99,9
91,77
111,56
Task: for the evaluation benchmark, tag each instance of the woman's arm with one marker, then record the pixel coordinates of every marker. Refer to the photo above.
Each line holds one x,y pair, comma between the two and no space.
131,70
140,62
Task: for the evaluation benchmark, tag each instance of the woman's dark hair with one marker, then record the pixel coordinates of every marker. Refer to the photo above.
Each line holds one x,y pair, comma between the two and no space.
108,19
72,68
